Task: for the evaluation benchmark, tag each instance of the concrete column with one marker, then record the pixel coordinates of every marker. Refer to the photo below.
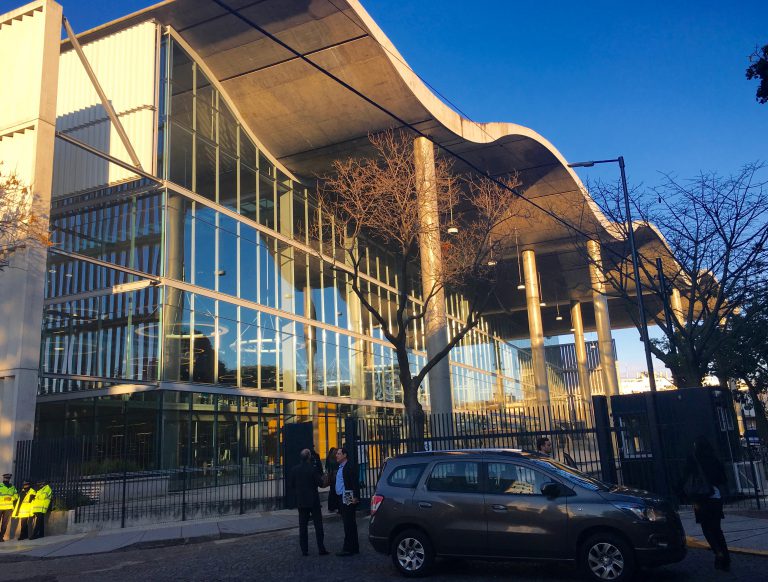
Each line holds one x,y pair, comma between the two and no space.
435,320
602,320
535,327
677,306
581,351
29,37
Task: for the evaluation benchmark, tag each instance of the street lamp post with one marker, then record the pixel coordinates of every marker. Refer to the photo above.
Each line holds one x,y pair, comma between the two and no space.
660,473
635,265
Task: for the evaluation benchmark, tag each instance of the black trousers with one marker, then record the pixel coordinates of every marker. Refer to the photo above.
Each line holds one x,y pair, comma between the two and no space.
24,528
348,518
39,530
709,514
316,514
5,520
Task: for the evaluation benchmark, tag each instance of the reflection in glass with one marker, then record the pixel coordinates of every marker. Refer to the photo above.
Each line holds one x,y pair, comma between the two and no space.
205,170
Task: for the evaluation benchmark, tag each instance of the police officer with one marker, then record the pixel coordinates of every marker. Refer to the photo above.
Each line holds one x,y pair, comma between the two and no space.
8,498
23,509
40,506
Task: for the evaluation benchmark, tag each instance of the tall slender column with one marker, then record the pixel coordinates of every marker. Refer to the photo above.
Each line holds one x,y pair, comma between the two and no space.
435,320
27,132
581,351
677,306
602,320
535,327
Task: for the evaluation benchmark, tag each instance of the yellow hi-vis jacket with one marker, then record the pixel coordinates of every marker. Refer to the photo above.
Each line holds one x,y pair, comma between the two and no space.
42,499
24,504
8,496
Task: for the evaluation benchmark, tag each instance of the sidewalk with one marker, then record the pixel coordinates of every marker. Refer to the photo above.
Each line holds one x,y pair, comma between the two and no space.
159,534
745,531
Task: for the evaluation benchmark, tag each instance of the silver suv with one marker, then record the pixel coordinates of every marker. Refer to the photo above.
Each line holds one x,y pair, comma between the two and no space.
513,504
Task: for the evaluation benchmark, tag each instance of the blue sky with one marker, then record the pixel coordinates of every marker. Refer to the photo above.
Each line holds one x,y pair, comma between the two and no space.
661,83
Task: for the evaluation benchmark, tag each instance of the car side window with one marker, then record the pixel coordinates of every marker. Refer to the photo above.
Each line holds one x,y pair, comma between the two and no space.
512,479
406,476
455,477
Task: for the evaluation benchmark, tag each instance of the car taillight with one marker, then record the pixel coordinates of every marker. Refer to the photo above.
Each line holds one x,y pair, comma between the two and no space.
375,503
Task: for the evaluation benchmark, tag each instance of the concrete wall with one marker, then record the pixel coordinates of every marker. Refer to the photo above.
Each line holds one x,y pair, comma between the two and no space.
29,53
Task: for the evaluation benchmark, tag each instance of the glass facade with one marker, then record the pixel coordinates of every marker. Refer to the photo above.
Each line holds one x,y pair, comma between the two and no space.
229,278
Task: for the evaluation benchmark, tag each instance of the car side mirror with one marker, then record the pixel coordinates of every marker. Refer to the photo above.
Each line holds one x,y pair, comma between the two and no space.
551,489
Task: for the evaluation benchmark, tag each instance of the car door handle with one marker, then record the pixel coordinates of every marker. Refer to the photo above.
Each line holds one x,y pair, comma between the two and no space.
425,505
497,507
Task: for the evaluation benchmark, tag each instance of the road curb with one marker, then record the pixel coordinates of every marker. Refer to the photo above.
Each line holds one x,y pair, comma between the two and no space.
698,544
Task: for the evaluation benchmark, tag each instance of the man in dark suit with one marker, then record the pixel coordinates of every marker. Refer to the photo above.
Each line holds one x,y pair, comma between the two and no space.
347,487
305,480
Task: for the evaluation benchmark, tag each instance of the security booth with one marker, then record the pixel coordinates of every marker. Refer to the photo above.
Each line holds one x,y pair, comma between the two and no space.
683,415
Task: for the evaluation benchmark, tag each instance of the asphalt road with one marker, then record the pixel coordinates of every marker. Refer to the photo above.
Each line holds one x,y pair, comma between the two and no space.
276,556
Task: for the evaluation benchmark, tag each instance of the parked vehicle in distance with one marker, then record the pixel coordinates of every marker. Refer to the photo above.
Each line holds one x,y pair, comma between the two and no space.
751,437
512,504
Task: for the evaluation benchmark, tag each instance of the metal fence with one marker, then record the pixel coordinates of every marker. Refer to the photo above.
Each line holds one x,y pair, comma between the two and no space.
115,482
116,485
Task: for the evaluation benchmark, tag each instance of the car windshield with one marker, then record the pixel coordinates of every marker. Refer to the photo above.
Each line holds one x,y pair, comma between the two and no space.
572,475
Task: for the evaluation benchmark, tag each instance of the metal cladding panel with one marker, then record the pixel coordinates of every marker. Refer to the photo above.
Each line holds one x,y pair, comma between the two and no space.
19,55
125,65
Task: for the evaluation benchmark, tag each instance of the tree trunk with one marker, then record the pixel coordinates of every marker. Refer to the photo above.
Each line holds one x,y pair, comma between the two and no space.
414,416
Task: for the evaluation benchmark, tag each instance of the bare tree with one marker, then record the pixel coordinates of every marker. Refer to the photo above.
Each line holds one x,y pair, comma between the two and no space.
376,199
19,224
713,251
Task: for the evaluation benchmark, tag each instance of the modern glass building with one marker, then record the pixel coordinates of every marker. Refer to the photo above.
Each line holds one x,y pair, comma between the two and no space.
189,304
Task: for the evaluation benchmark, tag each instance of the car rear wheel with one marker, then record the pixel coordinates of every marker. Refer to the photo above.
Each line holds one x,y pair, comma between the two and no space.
607,557
412,553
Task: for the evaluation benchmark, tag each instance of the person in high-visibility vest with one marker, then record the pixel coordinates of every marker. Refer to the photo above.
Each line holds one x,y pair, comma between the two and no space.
40,507
23,509
8,497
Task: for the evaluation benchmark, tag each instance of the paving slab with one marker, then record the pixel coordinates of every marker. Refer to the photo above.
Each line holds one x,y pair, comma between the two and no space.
163,534
98,544
200,530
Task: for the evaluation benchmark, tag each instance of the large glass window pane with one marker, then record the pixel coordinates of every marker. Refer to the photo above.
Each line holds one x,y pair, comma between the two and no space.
267,271
177,335
176,430
249,348
203,430
266,201
205,247
249,275
204,333
178,255
228,129
181,86
248,191
299,282
205,170
302,360
300,215
226,431
227,181
205,100
269,349
284,202
227,356
180,163
227,265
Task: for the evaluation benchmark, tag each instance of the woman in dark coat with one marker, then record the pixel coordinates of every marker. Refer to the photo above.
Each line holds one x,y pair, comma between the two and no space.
709,510
331,466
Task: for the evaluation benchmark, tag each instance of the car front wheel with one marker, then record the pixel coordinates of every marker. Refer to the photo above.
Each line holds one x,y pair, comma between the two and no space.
412,553
607,557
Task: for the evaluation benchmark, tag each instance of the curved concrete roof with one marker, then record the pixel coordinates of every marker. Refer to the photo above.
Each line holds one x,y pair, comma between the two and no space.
306,120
